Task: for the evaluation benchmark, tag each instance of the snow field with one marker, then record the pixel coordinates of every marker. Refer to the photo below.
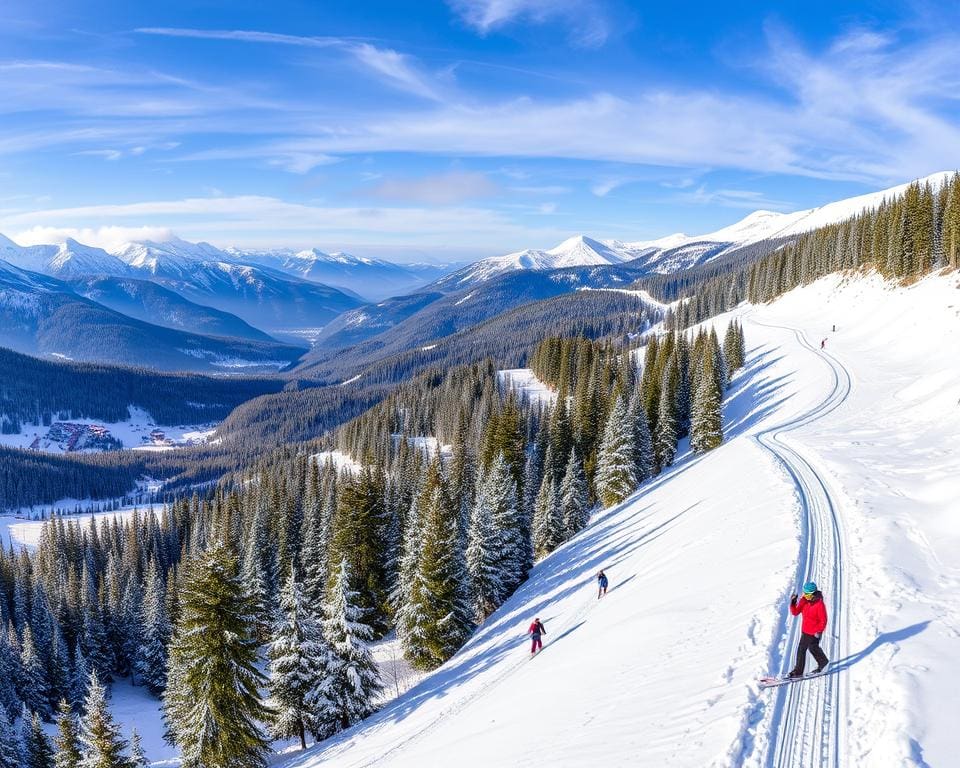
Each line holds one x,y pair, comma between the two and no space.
526,385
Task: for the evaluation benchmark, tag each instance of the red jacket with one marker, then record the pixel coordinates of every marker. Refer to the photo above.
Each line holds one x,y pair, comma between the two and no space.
814,613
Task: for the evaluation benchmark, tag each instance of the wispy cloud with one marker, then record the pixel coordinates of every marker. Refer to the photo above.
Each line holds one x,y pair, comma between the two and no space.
735,198
108,238
397,69
439,189
589,24
250,218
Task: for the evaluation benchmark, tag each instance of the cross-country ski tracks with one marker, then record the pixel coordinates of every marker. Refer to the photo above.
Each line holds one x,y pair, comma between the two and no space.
806,721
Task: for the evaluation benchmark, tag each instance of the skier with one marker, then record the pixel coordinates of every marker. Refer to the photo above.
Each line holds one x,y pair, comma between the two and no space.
601,584
823,344
536,629
814,613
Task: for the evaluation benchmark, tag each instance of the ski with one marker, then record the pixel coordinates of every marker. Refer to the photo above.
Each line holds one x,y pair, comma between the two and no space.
772,682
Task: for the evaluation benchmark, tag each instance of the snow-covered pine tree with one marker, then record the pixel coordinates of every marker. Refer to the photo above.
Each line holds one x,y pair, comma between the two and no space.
574,497
79,675
483,553
510,524
11,748
645,461
409,620
138,758
67,740
212,704
353,680
616,459
665,437
101,742
298,654
547,522
10,674
34,688
706,427
39,753
154,634
441,589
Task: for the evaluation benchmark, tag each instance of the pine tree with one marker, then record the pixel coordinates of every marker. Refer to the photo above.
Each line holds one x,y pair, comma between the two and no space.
665,437
706,429
212,705
67,741
10,674
547,522
39,754
353,681
35,689
151,656
510,523
483,553
138,758
11,750
616,460
298,654
102,745
574,497
645,462
439,594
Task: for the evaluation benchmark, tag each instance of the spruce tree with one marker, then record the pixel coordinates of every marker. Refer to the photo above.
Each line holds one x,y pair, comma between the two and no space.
439,593
39,754
645,462
511,525
353,680
706,428
574,497
34,688
483,554
665,436
298,654
212,705
151,656
67,740
616,460
102,745
547,522
11,749
138,758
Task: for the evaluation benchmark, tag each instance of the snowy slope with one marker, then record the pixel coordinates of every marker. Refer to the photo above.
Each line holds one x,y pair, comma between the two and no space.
843,465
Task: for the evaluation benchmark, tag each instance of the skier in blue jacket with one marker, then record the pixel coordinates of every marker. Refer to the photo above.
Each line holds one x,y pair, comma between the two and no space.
601,584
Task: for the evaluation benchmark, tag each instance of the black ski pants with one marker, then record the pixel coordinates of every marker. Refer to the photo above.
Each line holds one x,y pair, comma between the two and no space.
809,643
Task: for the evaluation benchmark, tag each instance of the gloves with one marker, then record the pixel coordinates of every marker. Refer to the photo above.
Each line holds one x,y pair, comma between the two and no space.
793,599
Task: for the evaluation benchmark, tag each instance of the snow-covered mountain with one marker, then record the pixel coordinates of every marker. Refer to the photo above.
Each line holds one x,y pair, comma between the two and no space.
374,279
677,251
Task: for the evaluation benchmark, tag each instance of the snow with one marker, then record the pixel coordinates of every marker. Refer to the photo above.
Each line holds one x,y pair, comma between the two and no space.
134,432
679,251
842,465
429,445
340,460
23,532
527,385
350,380
428,347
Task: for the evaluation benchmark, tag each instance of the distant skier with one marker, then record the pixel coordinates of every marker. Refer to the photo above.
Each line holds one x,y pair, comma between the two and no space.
601,584
834,329
814,613
823,344
536,629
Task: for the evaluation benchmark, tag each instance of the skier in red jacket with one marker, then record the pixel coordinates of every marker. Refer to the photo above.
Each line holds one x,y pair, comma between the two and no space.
814,613
536,629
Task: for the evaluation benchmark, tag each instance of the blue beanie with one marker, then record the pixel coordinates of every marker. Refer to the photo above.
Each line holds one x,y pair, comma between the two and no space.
809,588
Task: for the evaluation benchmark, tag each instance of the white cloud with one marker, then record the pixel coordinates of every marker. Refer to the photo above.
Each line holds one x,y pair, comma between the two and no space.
439,189
272,221
397,69
735,198
589,25
108,238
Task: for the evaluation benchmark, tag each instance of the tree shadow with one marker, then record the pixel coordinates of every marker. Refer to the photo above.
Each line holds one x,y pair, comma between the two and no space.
884,638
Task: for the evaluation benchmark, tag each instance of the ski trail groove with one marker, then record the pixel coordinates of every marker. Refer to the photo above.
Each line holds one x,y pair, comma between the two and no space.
808,719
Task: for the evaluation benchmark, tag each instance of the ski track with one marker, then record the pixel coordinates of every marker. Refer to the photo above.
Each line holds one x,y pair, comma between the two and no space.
465,702
807,720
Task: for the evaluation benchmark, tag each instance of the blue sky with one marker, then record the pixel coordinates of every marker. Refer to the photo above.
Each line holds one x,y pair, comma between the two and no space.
459,129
